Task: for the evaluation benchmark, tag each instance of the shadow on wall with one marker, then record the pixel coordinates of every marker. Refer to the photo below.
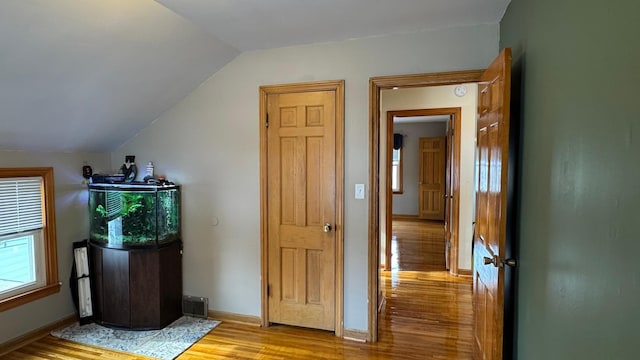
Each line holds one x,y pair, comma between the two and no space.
514,210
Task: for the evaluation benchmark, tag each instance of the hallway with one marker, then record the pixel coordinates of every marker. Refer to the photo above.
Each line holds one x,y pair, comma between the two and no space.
425,306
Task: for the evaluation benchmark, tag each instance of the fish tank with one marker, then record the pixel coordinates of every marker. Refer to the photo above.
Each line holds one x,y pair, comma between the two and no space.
134,215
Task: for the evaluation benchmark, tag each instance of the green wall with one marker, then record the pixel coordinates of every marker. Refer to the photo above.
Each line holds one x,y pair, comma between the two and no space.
577,75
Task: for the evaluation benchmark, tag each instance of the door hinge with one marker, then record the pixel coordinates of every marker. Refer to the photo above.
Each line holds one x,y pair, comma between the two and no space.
268,290
267,123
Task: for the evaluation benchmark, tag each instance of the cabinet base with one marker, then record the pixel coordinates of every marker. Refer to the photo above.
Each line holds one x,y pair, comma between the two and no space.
137,289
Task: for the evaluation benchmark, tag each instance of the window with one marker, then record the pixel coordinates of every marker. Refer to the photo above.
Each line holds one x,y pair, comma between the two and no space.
396,171
28,262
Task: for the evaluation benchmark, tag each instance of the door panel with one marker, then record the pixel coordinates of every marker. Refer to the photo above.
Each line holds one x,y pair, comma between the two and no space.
448,194
431,188
115,271
491,213
301,187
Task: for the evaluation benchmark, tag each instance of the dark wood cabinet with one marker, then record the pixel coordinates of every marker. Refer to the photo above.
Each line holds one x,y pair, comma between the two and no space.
137,288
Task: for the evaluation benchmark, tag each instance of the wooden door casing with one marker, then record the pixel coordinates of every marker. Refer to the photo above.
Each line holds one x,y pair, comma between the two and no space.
491,212
301,191
376,86
431,184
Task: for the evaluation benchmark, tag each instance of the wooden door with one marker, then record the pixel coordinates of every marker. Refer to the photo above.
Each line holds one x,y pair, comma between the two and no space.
491,214
432,178
301,189
448,194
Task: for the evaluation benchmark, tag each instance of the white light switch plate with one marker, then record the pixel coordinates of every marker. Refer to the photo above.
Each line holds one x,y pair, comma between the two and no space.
359,191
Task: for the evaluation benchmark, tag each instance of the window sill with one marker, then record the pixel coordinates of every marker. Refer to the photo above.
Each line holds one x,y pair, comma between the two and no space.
29,296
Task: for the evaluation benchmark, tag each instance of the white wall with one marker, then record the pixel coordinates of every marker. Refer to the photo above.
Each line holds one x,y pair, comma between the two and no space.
209,143
439,97
72,224
407,202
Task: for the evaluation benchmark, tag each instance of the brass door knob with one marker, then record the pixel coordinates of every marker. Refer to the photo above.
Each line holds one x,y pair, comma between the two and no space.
500,263
326,227
488,260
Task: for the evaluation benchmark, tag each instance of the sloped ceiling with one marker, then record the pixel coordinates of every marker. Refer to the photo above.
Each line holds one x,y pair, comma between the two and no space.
88,75
79,75
260,24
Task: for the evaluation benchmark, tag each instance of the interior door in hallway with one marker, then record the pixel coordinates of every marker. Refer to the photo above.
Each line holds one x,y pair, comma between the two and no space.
493,198
431,184
448,194
301,185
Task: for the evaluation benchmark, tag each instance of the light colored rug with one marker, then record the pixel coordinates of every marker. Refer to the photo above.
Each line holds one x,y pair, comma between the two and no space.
166,343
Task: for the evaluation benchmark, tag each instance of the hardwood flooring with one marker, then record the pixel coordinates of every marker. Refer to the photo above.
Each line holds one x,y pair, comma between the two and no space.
417,245
427,315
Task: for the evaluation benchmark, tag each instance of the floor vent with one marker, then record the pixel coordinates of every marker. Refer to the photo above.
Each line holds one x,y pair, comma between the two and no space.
195,306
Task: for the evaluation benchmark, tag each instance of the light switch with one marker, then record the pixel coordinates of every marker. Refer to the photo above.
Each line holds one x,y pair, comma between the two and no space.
359,191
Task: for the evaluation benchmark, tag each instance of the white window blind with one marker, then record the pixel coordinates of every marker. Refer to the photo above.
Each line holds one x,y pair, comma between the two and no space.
20,205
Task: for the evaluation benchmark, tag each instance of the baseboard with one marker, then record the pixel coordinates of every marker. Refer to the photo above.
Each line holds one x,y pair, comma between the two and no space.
465,272
234,318
356,335
405,217
36,334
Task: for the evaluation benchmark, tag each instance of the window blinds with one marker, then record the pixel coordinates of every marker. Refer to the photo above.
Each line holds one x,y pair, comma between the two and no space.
20,205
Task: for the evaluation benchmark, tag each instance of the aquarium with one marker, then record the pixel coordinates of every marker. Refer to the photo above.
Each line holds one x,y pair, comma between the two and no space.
134,215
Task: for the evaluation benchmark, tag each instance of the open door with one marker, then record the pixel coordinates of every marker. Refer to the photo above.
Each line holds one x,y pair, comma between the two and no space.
448,194
492,237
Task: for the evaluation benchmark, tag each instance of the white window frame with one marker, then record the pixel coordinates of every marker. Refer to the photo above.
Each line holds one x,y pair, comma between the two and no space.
38,263
45,245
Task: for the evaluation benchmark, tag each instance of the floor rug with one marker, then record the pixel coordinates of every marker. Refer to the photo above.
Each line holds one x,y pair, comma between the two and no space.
166,343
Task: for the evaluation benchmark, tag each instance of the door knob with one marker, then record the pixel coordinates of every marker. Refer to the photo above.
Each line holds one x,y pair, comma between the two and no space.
497,262
510,262
326,228
488,260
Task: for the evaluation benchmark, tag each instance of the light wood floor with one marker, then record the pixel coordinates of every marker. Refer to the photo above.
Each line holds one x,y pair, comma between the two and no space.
427,315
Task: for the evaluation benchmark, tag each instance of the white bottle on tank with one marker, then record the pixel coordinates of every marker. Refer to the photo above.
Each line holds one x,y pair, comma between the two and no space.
149,169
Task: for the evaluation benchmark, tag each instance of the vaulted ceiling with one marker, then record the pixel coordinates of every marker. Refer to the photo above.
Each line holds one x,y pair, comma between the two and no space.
79,75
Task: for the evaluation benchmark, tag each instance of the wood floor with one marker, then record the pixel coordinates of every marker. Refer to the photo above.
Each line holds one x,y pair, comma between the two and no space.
427,315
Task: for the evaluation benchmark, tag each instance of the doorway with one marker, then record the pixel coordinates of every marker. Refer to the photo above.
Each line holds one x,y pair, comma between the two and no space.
378,203
405,166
